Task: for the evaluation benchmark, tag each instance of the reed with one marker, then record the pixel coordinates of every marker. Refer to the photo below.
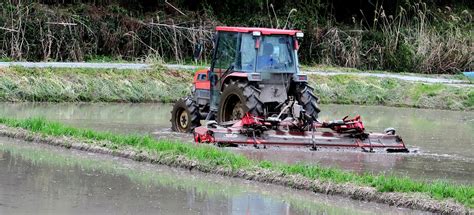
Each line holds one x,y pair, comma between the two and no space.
412,36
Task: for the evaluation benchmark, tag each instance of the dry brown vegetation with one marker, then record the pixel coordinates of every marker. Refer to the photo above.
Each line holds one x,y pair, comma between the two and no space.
409,37
85,32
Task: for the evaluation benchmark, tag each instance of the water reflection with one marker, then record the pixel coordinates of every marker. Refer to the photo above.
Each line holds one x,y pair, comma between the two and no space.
39,179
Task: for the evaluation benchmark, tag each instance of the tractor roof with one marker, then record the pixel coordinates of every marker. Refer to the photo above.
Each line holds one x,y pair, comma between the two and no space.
264,31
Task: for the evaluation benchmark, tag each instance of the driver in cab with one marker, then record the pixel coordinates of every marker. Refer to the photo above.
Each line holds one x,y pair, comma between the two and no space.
266,60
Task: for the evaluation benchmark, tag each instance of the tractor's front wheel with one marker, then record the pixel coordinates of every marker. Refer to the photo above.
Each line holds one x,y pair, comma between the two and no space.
185,115
308,100
237,99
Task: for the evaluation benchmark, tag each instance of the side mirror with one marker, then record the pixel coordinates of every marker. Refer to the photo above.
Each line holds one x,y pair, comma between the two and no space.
198,51
296,45
298,38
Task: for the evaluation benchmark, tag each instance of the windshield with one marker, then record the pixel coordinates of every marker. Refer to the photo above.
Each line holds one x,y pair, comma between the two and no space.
275,54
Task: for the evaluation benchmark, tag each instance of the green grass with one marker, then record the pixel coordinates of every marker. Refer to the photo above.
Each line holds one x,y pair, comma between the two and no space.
93,85
104,59
162,85
6,59
351,89
215,157
430,90
470,101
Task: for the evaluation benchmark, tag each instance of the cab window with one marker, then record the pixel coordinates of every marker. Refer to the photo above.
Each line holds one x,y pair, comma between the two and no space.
202,77
227,49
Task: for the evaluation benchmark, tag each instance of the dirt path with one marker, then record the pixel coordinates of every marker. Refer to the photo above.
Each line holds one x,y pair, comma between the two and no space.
410,78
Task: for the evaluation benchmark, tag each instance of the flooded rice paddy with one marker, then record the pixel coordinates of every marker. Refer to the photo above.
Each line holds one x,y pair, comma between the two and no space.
41,179
444,139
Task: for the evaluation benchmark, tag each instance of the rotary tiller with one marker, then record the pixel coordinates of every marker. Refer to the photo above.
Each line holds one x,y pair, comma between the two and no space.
345,133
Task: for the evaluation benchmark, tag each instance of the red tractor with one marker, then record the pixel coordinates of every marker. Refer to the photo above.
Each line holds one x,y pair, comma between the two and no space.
253,70
254,94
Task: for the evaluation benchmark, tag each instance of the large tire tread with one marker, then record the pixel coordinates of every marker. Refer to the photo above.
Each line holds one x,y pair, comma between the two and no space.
247,92
308,100
192,109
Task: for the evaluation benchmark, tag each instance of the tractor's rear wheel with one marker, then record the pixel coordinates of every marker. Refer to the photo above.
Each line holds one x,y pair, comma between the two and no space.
237,99
185,115
308,100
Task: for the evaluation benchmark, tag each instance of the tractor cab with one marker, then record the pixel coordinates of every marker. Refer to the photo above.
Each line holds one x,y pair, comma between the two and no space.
256,50
258,55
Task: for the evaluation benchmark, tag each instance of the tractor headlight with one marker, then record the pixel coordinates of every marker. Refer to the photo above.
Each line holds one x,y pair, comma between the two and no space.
254,77
299,34
300,78
256,33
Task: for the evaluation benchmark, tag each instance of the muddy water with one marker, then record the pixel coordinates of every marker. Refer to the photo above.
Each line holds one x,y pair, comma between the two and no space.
445,139
123,118
39,179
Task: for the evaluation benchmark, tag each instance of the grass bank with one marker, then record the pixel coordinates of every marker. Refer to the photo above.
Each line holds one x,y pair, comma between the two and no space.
208,159
352,89
164,85
92,85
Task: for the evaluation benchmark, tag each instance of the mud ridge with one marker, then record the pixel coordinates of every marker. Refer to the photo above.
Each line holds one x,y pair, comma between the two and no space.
356,192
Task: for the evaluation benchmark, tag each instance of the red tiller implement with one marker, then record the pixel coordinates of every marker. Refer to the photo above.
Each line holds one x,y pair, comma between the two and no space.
345,133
